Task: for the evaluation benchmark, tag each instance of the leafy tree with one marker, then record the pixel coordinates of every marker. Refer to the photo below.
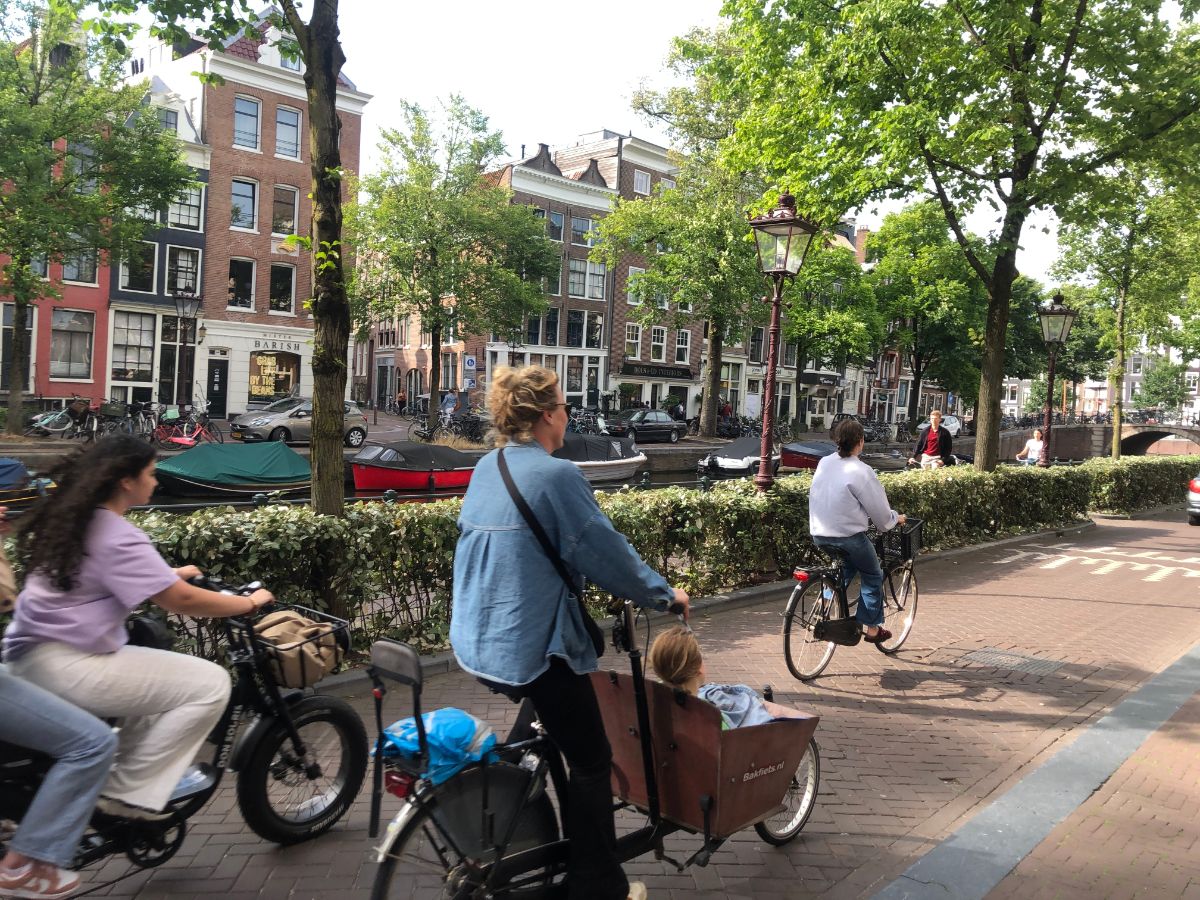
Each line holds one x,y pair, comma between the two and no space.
437,238
1035,403
1128,245
1163,386
1015,104
83,170
317,44
707,262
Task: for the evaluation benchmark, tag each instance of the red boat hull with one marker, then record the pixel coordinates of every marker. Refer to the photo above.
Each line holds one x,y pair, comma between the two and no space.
384,478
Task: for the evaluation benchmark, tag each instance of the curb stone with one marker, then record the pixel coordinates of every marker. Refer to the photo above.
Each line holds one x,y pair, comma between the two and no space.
444,662
1142,513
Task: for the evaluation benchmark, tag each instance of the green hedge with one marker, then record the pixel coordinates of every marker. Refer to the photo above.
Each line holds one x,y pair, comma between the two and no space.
389,566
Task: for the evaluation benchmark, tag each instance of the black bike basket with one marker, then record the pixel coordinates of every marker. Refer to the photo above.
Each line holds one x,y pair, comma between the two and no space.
899,545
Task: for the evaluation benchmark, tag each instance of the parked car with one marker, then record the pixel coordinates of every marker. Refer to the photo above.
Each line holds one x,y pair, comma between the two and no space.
290,420
953,424
646,425
1194,500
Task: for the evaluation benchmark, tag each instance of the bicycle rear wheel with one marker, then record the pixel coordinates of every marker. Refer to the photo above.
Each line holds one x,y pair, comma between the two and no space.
798,803
439,851
899,605
811,603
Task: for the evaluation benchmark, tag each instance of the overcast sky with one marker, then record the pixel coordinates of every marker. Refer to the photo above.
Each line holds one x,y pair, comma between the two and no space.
546,72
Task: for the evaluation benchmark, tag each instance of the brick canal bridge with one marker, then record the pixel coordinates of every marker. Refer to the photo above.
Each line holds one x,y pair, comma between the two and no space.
1086,441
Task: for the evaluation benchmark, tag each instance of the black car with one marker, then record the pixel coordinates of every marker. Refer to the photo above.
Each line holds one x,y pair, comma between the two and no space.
646,425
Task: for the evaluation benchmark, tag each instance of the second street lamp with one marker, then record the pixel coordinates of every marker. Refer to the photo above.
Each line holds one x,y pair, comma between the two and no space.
1056,318
187,307
782,239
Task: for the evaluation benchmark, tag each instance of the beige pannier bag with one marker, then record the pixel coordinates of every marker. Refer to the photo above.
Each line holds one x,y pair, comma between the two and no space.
302,651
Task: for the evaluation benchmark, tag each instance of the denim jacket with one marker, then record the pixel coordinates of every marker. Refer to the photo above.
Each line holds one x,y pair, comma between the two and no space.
511,611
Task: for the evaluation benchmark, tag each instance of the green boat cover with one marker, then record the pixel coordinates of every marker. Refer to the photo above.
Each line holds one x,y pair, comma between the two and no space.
271,462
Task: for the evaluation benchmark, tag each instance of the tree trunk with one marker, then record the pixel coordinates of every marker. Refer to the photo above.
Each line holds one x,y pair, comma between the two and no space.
323,57
709,408
435,378
18,366
987,412
917,367
1116,378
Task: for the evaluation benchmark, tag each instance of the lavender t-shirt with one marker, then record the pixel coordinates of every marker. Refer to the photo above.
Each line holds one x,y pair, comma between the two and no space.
120,569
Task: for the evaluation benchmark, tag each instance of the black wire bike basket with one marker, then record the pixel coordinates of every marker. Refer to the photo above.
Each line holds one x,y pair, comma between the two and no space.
899,545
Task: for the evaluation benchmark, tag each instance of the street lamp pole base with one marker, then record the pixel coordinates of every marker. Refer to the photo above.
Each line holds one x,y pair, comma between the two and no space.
764,482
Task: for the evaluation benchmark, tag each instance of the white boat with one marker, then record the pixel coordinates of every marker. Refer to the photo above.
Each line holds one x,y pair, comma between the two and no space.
602,458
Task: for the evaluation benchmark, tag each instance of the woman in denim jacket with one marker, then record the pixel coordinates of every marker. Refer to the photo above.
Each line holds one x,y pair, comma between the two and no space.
515,625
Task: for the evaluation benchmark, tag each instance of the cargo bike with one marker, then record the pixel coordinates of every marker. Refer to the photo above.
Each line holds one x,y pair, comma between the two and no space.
491,831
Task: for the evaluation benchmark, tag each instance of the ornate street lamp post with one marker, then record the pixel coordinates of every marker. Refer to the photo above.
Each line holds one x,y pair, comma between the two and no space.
1056,318
514,343
187,307
783,239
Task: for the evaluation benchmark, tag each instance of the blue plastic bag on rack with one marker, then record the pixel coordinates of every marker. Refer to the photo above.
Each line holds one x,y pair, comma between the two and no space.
455,738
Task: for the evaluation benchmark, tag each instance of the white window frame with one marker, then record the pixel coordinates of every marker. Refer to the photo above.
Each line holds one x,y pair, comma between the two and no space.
123,277
112,344
295,210
278,312
289,63
683,341
199,267
633,336
199,229
253,285
665,184
257,148
299,132
95,269
554,288
641,182
91,375
253,229
44,271
595,270
590,319
570,287
631,296
562,225
591,230
158,114
658,344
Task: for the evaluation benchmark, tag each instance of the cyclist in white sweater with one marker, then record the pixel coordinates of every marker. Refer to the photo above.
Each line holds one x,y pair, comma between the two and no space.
845,493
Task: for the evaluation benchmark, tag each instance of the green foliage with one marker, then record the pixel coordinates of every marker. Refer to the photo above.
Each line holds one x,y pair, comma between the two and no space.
1130,484
1163,386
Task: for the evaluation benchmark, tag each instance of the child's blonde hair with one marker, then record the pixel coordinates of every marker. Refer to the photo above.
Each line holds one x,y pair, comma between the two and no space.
675,656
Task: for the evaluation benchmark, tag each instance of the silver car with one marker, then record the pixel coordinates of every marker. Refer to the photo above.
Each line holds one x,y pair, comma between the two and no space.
290,420
1193,506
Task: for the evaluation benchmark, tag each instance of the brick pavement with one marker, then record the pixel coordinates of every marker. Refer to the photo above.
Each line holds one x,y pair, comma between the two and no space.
910,746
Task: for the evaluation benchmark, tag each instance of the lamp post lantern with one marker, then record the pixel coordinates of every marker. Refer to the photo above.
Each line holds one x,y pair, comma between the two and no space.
187,308
1056,319
782,239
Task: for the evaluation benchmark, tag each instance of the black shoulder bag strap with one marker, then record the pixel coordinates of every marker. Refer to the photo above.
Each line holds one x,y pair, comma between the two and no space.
535,526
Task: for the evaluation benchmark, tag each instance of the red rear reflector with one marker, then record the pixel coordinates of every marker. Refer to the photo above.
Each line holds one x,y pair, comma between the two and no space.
1194,485
398,784
800,575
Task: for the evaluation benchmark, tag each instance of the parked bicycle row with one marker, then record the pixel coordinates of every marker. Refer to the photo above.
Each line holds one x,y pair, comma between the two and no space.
167,426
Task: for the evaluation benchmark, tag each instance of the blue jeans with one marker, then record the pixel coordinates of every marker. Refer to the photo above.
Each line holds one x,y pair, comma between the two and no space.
858,553
82,747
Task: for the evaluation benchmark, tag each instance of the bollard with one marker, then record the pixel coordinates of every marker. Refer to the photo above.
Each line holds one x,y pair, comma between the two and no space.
260,499
644,484
389,496
705,483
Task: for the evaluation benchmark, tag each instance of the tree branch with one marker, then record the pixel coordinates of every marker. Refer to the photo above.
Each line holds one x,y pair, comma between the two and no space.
970,27
1064,67
952,218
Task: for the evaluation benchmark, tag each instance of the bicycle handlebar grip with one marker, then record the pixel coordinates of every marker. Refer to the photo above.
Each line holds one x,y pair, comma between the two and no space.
676,609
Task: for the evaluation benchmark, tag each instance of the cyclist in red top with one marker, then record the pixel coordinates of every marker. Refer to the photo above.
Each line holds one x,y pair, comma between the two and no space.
934,445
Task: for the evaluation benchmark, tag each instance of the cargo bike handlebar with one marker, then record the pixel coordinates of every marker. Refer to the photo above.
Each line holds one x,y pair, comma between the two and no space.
490,829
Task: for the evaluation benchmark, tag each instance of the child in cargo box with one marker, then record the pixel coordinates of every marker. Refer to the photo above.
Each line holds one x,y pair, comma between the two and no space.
675,658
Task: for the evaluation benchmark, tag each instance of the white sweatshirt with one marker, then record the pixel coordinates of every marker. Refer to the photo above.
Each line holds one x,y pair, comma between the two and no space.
844,493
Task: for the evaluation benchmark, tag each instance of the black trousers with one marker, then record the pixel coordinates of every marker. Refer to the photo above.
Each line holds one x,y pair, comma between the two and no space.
566,706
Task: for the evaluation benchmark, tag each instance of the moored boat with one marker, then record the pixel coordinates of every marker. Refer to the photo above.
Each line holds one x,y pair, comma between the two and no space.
602,458
19,489
805,454
410,466
209,469
737,458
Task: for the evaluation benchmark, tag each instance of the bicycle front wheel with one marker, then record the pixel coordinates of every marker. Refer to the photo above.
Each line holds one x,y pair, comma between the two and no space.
286,799
439,850
810,604
899,605
798,803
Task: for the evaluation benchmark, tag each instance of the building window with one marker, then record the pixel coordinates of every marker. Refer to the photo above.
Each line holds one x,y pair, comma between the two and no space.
287,132
6,346
80,158
641,182
273,374
553,283
665,184
683,347
632,295
533,330
596,275
550,333
291,63
577,277
539,213
449,370
183,269
40,266
791,350
133,346
80,267
168,119
71,344
243,211
658,344
554,226
245,123
283,210
902,394
283,289
756,345
633,341
595,330
241,283
1135,366
185,212
574,328
581,231
137,269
